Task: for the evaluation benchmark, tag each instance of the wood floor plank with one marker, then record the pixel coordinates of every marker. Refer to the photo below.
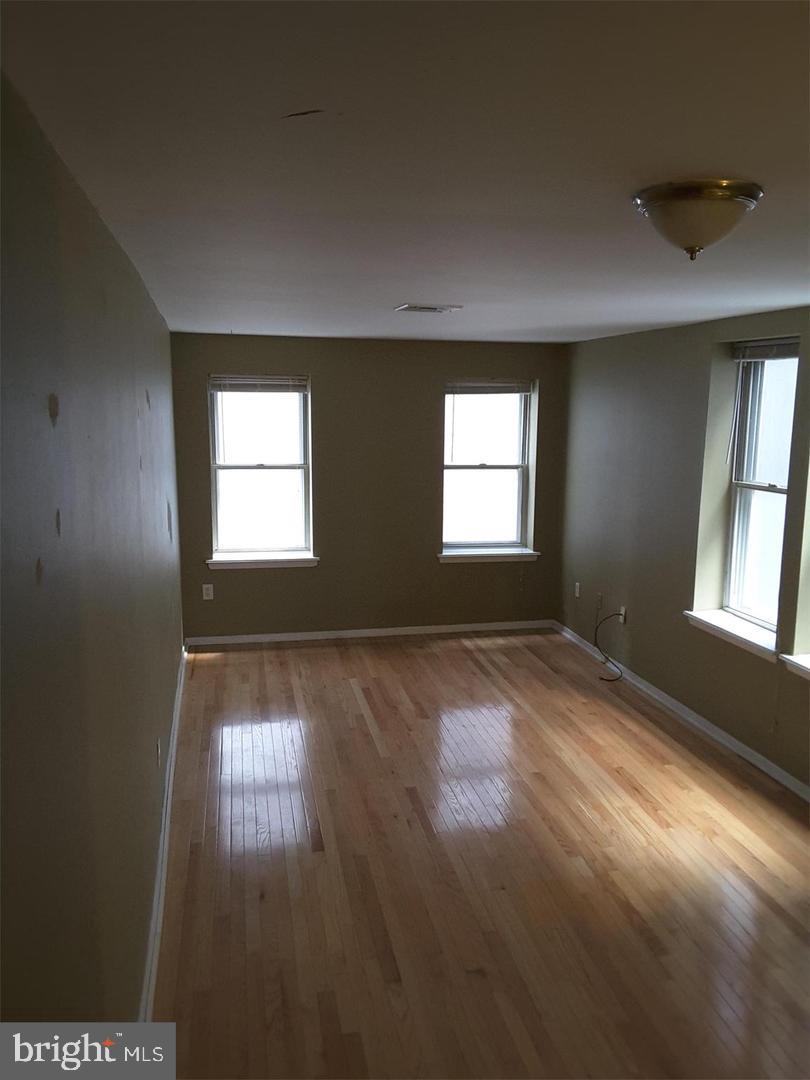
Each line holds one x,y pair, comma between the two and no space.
467,856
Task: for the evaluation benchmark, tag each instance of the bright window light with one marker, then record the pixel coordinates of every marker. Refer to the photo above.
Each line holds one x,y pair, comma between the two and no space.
260,464
763,424
485,465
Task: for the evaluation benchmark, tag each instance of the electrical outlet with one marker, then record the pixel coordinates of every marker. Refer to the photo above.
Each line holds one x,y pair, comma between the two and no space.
208,592
622,614
576,590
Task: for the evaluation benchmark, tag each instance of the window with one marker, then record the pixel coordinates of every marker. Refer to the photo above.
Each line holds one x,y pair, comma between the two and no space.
486,466
763,423
260,483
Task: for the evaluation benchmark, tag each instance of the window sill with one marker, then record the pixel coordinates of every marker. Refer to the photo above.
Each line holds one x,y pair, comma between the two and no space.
488,555
799,664
749,636
255,560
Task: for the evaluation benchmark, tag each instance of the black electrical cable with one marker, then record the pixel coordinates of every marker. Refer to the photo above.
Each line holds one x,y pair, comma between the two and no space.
605,658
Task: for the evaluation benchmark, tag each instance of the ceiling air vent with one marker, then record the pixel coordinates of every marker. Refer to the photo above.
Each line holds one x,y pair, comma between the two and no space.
429,309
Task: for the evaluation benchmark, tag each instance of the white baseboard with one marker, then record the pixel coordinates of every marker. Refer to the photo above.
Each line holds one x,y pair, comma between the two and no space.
156,923
583,644
379,631
700,723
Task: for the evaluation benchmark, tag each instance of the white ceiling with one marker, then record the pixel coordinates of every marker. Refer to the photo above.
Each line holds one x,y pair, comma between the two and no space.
481,154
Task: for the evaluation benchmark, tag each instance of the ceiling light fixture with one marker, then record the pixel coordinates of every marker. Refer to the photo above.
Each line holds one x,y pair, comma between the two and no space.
692,214
429,309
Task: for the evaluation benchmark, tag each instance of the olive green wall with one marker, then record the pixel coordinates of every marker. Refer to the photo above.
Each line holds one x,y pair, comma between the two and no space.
91,607
802,643
633,528
377,430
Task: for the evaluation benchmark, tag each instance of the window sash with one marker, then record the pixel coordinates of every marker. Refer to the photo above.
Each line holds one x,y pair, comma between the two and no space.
218,387
279,384
481,386
738,542
520,523
746,419
747,422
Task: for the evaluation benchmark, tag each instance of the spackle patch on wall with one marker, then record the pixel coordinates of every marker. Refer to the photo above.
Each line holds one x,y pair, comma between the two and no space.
53,408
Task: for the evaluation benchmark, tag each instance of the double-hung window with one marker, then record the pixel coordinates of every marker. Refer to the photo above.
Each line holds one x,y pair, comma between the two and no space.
763,423
486,467
260,474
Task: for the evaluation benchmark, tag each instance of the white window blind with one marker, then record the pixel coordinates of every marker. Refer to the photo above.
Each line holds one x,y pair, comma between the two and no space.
488,386
247,384
776,349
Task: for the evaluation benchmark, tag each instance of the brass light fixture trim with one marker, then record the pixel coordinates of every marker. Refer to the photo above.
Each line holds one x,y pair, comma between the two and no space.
695,213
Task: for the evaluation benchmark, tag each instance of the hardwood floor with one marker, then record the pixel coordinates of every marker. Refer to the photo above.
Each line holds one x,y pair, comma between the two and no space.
468,857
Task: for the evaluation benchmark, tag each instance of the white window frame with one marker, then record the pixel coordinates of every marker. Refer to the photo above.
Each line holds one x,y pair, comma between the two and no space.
260,384
751,359
525,390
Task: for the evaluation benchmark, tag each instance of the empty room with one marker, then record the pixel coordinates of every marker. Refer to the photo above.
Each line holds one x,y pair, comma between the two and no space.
406,539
